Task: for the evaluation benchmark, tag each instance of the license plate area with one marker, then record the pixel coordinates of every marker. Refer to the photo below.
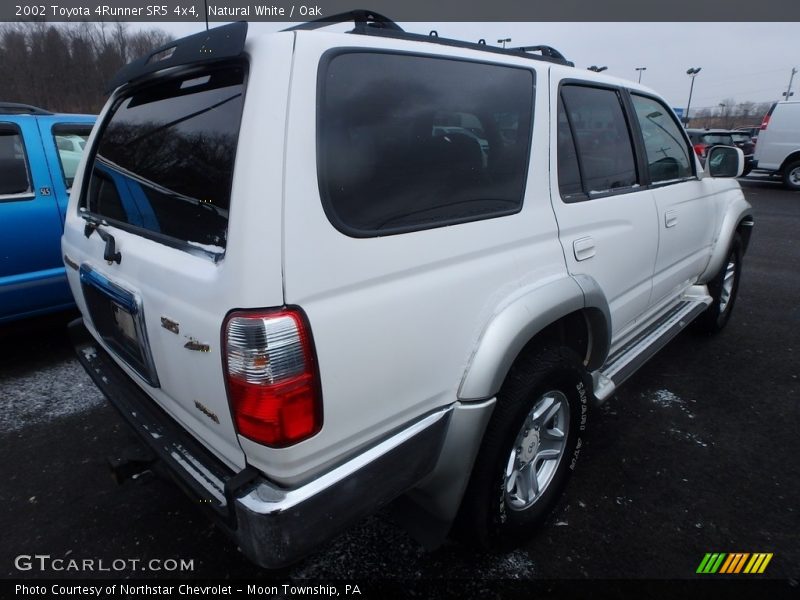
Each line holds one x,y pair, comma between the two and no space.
118,318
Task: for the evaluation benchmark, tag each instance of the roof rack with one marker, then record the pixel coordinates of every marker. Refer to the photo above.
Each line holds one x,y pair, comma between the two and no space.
371,23
14,108
547,51
361,19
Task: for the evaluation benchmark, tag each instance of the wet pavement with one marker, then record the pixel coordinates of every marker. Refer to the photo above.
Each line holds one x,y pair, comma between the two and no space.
696,453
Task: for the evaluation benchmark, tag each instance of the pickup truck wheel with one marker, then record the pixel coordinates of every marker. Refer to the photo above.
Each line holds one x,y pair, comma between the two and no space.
791,175
530,448
723,289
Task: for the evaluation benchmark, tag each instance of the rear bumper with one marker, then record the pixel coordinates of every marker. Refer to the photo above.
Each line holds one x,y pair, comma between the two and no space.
273,526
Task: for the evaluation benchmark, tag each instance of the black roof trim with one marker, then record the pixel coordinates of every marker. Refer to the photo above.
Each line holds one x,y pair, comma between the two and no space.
14,108
216,44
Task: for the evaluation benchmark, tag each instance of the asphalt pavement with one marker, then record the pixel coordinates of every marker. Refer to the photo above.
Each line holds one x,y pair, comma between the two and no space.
696,453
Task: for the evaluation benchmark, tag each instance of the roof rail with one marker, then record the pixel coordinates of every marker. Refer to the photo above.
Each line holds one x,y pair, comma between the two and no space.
361,19
551,55
368,22
547,51
14,108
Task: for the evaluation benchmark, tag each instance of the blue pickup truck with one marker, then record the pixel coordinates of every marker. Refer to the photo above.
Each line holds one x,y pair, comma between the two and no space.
39,153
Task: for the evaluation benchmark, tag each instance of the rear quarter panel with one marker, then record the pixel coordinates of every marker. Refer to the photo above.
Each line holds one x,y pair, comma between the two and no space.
396,318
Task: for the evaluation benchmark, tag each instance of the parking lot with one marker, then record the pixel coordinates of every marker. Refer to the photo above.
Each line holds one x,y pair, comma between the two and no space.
696,453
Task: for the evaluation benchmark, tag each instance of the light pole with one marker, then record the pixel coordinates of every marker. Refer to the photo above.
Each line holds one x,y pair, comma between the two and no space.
597,69
691,72
723,113
503,41
789,91
640,69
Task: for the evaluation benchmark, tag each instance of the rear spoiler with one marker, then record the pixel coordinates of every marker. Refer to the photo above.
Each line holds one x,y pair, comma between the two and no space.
209,46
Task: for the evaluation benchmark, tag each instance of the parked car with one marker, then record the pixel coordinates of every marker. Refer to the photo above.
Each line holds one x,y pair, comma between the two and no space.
743,141
705,139
752,132
318,303
778,148
36,174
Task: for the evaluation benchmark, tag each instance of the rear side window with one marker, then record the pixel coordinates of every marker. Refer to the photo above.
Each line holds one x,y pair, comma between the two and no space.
594,119
70,141
164,161
410,142
14,175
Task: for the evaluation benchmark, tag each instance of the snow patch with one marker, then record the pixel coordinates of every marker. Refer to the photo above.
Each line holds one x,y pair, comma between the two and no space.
665,398
49,393
516,565
688,436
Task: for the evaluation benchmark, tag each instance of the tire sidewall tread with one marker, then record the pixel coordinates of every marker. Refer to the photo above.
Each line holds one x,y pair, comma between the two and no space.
485,519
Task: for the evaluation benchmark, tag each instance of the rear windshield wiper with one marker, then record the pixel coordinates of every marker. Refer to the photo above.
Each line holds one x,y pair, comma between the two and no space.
110,253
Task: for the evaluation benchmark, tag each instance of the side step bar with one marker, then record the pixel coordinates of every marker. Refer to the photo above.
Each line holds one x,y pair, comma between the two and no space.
627,360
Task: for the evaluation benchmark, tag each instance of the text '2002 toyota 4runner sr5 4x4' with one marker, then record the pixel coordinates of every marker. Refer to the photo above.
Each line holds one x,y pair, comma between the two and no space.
320,271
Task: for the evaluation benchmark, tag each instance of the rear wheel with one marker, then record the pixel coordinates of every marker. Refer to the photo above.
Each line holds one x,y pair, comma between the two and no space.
791,175
529,450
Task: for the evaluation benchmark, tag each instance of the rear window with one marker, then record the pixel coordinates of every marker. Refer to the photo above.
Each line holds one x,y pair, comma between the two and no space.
414,142
717,139
165,158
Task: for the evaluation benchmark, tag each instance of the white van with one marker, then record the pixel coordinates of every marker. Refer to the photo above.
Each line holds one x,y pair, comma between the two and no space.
778,147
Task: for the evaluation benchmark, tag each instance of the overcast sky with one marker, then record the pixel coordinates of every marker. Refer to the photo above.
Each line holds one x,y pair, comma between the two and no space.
743,61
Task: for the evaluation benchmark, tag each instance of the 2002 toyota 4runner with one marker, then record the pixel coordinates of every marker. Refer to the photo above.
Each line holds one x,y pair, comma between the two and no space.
319,271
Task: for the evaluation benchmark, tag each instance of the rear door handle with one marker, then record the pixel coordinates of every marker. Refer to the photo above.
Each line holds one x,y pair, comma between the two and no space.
583,248
670,218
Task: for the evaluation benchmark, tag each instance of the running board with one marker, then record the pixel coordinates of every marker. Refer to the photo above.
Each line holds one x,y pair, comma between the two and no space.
627,360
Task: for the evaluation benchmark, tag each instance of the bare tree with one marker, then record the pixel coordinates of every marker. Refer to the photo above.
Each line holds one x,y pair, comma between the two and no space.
65,67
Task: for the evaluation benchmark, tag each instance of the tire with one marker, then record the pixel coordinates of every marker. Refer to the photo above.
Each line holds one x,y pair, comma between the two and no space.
545,394
791,176
723,288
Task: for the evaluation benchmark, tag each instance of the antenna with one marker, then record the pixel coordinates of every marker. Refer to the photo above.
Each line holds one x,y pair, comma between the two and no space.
205,3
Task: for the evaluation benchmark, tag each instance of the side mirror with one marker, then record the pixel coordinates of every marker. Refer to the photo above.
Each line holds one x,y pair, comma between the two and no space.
724,161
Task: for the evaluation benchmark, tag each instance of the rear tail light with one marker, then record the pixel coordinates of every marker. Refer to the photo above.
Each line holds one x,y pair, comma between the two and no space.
272,376
700,150
767,116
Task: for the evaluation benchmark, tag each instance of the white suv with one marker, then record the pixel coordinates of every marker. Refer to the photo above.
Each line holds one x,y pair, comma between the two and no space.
319,271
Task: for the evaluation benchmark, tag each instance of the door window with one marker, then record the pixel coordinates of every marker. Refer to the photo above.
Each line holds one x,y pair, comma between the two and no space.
668,154
591,123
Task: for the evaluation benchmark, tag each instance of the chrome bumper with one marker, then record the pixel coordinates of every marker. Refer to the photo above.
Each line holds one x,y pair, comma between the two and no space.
273,526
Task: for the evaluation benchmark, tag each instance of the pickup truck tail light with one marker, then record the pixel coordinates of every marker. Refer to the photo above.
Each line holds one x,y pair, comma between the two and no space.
272,376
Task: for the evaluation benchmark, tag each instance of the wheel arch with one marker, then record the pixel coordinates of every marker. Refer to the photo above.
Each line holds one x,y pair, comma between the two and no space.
738,219
792,157
570,311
